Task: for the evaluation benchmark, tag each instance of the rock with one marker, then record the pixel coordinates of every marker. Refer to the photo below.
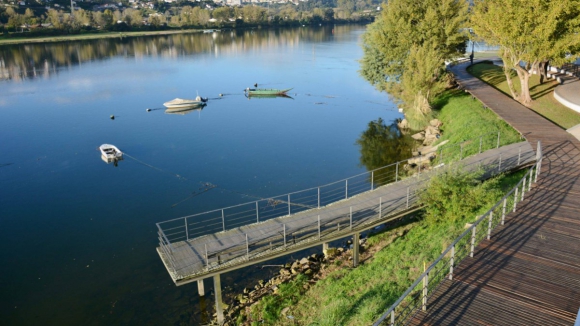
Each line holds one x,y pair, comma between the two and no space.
294,271
284,311
419,136
306,267
247,290
295,264
436,123
284,271
403,124
261,282
313,257
330,252
340,250
430,130
275,289
304,261
288,265
308,272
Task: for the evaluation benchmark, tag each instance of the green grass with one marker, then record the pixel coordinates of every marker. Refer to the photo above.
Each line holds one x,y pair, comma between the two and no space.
465,119
544,102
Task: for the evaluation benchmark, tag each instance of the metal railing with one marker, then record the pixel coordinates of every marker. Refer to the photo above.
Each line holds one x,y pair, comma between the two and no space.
196,225
417,296
283,234
572,68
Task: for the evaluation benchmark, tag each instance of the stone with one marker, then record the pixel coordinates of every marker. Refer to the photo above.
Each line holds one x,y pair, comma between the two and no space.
295,265
304,261
284,271
288,265
294,271
419,136
403,124
247,290
436,123
308,272
313,257
430,130
330,252
284,311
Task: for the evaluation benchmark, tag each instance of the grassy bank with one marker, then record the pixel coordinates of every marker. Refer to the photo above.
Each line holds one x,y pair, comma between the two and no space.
92,36
347,296
544,102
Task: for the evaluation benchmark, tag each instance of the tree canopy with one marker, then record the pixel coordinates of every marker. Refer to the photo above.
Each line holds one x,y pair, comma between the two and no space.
528,32
405,49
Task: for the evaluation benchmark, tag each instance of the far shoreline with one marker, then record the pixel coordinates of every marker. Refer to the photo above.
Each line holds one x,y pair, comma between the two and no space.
94,36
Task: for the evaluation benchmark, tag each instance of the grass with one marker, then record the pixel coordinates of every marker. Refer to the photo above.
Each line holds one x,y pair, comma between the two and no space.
544,102
91,36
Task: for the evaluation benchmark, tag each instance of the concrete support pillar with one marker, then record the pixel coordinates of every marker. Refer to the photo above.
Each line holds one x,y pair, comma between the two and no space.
325,246
200,288
355,249
217,287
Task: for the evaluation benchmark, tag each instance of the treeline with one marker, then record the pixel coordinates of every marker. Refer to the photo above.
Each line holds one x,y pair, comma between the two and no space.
57,22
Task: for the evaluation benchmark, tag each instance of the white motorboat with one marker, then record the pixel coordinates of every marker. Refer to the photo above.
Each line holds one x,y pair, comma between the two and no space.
185,103
110,152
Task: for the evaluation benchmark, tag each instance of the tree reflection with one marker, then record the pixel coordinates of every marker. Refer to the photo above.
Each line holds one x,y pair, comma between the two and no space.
381,145
18,62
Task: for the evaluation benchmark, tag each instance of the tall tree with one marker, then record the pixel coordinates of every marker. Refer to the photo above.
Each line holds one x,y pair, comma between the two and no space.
528,32
405,49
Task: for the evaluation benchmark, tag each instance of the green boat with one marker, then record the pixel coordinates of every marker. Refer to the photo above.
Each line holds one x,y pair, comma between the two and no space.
264,91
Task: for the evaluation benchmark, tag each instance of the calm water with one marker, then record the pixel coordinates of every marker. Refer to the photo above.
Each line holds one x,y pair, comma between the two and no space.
79,235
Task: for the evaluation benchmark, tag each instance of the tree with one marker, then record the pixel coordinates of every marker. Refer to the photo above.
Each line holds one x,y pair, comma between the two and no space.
528,32
405,48
222,13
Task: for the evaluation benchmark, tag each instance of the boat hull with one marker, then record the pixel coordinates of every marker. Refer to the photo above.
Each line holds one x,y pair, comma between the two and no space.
263,91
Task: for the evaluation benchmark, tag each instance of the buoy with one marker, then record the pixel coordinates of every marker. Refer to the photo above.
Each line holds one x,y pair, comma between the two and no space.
221,94
112,117
148,110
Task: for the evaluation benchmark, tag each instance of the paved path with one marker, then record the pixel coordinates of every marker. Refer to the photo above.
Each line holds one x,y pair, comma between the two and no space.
529,272
217,253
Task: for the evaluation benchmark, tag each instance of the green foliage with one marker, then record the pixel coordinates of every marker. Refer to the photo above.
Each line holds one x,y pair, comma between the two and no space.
455,195
405,49
268,308
530,31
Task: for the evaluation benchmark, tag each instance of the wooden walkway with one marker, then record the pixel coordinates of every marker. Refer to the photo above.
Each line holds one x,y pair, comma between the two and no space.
217,253
529,272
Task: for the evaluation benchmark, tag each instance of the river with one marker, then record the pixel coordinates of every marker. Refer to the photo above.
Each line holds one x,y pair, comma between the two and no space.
79,235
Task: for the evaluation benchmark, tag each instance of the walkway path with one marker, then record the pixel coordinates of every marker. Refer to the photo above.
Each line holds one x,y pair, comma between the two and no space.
529,272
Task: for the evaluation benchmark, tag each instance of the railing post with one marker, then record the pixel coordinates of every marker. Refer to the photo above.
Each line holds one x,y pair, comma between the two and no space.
499,165
530,178
346,190
393,318
539,156
318,227
425,291
472,240
380,207
523,188
186,231
489,225
397,172
451,262
503,211
351,217
223,220
519,155
284,227
480,143
257,213
498,134
206,257
318,197
407,197
247,248
288,204
515,198
372,180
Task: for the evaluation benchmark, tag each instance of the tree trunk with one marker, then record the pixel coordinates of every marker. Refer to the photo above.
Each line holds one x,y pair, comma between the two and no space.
508,78
524,75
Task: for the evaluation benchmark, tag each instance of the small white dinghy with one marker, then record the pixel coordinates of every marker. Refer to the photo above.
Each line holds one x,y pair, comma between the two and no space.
111,152
180,103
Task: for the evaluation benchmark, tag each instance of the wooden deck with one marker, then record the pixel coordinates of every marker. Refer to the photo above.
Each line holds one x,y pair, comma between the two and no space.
529,272
217,253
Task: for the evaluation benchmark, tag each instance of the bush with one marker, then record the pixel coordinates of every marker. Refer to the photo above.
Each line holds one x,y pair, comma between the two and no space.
455,194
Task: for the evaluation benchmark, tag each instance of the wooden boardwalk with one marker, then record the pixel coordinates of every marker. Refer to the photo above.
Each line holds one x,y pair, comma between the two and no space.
213,254
529,272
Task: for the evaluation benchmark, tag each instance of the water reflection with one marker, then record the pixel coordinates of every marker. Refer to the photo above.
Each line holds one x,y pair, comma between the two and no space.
18,62
254,96
381,145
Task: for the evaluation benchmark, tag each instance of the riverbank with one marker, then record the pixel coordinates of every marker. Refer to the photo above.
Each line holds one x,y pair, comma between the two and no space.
333,293
93,36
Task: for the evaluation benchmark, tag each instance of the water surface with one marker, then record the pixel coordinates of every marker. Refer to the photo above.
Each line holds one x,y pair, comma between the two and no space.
79,235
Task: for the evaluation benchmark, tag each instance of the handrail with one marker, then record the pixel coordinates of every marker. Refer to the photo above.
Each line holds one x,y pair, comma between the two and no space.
345,190
413,307
278,234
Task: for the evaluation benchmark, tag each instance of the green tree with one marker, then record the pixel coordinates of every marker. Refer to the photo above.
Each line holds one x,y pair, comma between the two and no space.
222,13
411,35
528,32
